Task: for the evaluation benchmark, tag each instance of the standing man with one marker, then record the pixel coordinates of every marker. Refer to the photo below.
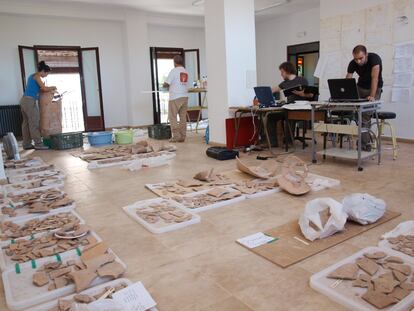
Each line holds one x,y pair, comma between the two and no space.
368,66
177,84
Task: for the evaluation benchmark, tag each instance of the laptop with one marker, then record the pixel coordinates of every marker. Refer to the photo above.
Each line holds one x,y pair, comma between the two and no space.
344,90
265,96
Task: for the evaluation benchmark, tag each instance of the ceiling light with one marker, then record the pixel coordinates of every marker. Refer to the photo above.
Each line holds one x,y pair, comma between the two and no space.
272,6
198,2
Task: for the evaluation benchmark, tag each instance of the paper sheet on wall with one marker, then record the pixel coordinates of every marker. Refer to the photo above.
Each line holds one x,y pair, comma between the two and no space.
404,64
403,79
401,95
134,298
404,50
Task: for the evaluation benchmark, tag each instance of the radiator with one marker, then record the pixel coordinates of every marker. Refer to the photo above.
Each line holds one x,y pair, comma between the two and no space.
10,120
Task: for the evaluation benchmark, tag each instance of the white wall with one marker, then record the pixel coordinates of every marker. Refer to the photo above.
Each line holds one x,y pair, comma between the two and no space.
274,35
342,27
179,37
36,30
123,39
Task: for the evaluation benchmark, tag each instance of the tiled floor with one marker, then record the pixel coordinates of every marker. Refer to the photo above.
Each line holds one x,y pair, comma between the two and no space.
201,267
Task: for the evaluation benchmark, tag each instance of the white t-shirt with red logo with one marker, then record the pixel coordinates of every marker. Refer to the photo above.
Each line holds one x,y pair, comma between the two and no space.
178,81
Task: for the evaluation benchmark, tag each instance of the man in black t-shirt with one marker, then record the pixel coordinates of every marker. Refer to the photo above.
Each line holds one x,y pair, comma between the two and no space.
368,66
290,79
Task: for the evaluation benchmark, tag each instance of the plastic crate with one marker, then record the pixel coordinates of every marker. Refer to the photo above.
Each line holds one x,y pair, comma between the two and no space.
66,140
47,142
100,138
159,131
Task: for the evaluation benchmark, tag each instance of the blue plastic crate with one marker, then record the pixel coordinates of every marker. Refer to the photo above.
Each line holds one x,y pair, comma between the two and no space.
100,138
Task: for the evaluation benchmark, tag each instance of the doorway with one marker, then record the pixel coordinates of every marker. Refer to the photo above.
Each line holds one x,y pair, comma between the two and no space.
305,57
76,74
161,65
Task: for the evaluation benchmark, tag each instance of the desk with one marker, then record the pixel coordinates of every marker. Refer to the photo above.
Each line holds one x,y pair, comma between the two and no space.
200,108
263,114
356,130
303,116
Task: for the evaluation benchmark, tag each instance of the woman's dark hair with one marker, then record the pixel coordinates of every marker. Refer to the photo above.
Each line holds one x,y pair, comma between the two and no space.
43,67
288,67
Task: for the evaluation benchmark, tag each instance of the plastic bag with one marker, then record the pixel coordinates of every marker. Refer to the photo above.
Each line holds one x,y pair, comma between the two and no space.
322,218
363,208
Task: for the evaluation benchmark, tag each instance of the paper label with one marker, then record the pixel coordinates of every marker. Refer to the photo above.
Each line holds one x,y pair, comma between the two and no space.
256,240
134,298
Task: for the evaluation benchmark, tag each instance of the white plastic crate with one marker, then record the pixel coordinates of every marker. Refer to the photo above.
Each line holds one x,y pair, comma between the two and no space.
7,263
91,291
160,227
214,205
404,228
33,162
347,295
23,213
21,222
22,294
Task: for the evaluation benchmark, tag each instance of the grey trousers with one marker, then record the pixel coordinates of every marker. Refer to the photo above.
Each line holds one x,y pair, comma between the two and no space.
31,121
178,107
366,117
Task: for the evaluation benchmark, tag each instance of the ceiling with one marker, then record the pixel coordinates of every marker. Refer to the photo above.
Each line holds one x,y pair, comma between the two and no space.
185,7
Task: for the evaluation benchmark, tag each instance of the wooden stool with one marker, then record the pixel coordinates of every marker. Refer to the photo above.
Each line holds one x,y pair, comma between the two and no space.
383,116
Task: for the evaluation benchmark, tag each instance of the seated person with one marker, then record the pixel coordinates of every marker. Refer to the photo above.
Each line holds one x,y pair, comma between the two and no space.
290,79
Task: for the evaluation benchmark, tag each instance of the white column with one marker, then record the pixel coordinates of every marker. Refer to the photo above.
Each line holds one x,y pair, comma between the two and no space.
230,60
138,70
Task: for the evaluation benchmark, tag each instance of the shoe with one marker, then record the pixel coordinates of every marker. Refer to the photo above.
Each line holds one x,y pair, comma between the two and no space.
41,147
367,148
31,147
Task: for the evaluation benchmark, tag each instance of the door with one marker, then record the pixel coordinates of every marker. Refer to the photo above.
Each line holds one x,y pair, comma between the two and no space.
76,73
28,62
161,64
92,90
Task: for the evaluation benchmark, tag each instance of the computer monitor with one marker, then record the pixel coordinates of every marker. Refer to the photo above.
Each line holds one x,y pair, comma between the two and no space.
343,90
264,96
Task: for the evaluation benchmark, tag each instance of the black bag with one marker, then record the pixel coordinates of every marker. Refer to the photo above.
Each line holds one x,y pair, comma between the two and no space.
222,153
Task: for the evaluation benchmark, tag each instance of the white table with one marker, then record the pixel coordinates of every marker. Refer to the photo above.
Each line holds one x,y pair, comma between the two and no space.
319,127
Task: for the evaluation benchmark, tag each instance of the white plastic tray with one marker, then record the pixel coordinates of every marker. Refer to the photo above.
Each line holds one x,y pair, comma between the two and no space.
157,188
11,189
21,222
23,171
215,205
34,176
7,263
161,227
261,193
22,294
91,291
324,182
347,295
404,228
138,161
